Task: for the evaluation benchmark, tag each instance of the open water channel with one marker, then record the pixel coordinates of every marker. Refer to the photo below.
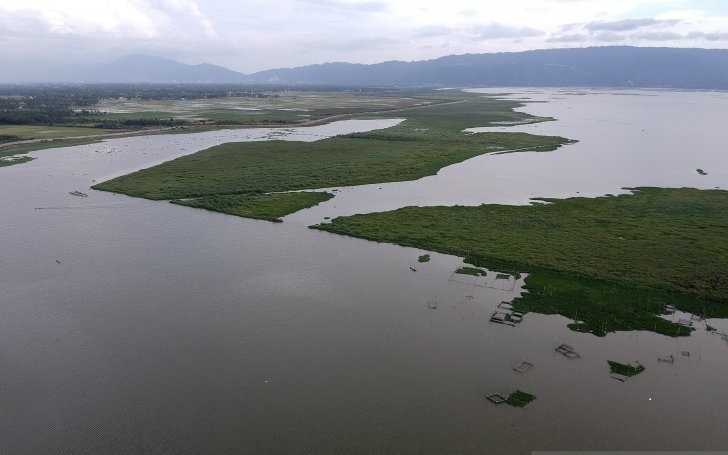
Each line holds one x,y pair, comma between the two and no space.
135,326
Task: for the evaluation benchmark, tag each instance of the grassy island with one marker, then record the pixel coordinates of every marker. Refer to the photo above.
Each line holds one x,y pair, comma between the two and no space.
430,139
608,263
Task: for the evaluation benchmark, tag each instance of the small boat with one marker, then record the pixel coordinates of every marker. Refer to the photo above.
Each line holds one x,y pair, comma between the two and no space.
78,193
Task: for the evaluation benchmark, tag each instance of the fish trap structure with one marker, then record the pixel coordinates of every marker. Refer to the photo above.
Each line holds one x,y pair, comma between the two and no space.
500,282
622,372
567,351
506,306
523,367
505,314
666,358
496,398
502,318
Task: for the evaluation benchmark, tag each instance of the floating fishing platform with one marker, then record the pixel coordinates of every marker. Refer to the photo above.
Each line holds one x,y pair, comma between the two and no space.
523,367
567,351
685,322
496,398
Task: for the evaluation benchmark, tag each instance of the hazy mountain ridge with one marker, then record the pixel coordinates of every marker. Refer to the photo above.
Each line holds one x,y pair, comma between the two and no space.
581,67
589,67
146,68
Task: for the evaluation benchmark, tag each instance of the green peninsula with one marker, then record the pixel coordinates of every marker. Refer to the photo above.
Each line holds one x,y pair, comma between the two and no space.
431,138
608,263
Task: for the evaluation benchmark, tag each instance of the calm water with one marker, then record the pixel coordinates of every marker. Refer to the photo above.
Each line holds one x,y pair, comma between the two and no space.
169,330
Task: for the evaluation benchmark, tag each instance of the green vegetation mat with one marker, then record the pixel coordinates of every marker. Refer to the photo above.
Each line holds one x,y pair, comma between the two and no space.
424,258
471,271
625,370
520,399
429,140
18,160
270,207
609,263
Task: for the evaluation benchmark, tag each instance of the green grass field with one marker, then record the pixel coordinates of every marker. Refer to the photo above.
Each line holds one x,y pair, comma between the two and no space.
47,132
608,263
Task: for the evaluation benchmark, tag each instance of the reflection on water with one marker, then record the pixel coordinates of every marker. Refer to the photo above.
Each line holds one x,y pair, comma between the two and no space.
135,326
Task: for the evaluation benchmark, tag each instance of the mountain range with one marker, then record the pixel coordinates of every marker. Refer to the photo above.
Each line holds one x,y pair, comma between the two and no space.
612,66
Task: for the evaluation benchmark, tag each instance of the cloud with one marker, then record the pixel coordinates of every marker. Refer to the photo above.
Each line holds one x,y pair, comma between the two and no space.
432,30
609,37
626,24
657,36
252,35
496,30
572,38
120,19
344,6
358,43
713,36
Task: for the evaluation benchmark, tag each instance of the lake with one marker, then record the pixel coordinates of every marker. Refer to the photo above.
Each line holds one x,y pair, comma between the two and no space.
135,326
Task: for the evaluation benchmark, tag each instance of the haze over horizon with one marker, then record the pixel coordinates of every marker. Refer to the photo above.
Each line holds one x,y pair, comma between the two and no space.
42,35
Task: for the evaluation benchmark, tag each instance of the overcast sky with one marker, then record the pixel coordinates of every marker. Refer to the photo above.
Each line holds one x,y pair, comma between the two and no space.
252,35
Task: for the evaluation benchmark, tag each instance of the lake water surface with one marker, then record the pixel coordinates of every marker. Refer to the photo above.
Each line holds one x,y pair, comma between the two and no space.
135,326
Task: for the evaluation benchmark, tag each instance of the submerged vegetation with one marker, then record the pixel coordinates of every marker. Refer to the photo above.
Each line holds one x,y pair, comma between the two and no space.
428,140
609,263
423,258
625,370
520,399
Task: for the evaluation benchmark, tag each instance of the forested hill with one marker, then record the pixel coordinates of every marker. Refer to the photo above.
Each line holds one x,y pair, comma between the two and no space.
584,67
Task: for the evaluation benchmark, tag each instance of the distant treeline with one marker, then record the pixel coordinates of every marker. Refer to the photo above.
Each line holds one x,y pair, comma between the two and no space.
8,138
72,104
